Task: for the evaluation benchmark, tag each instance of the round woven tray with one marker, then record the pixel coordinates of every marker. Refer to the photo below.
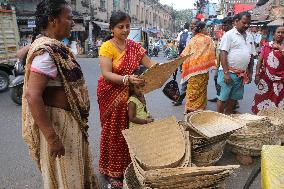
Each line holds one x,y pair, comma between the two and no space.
211,124
258,131
276,115
197,141
157,145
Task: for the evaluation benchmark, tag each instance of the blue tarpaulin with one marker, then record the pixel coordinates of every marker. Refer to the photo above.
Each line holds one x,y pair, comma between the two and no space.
153,30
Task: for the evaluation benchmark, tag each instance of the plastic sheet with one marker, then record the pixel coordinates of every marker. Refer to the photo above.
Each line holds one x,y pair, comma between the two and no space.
272,167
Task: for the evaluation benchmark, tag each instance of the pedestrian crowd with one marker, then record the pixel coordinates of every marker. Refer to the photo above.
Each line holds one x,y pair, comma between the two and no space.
56,104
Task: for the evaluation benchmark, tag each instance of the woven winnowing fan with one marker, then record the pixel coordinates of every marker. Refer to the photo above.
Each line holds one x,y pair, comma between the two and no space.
157,145
156,76
140,169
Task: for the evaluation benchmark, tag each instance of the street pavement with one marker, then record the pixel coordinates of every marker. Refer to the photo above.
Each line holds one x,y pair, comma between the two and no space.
18,171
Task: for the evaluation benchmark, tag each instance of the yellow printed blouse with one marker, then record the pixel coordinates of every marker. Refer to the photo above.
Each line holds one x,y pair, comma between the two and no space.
110,51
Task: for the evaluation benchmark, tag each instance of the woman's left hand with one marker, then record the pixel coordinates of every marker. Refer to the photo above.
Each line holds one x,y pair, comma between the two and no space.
133,79
276,46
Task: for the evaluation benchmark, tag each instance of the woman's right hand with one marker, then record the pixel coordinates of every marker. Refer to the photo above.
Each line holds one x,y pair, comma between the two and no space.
256,79
227,78
56,148
133,79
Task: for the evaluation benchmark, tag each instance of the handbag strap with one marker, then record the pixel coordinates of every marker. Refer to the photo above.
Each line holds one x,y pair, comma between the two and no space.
175,75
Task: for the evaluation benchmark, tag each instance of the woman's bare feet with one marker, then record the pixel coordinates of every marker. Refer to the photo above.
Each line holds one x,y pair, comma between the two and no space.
244,160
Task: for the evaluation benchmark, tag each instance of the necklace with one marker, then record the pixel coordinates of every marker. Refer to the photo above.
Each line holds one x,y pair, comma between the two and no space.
118,46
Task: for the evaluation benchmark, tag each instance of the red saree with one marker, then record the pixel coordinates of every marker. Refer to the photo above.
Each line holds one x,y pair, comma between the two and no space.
112,99
270,89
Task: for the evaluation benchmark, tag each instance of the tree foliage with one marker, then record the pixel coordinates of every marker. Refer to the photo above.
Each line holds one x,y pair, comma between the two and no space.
181,17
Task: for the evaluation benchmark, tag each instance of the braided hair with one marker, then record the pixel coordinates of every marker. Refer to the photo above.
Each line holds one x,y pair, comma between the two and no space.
44,10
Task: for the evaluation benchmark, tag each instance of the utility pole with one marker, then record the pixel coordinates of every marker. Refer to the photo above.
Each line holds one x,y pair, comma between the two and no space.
90,39
174,18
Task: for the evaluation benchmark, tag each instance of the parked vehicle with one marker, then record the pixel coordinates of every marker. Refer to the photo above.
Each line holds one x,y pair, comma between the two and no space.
171,53
93,52
155,51
9,43
141,36
16,86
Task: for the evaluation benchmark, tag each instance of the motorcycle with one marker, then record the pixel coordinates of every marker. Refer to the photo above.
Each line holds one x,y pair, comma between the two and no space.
16,85
171,53
93,52
155,51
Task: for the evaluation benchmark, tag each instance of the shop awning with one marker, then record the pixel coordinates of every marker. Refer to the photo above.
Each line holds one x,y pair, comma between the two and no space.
102,25
78,27
242,8
278,22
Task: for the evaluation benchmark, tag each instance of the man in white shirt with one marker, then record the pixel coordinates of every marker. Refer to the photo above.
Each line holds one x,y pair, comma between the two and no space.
237,49
183,37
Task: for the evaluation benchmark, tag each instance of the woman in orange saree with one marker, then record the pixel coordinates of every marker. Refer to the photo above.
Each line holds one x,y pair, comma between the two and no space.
119,58
196,68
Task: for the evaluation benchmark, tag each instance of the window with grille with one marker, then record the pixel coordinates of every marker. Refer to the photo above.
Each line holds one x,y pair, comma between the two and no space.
115,5
126,5
73,2
102,4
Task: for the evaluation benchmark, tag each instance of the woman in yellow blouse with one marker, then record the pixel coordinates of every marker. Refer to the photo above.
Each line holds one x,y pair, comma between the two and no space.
119,57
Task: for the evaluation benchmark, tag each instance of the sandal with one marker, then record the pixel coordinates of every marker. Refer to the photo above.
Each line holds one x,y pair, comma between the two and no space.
116,183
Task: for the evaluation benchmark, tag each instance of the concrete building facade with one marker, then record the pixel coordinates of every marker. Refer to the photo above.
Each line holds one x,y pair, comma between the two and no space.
143,13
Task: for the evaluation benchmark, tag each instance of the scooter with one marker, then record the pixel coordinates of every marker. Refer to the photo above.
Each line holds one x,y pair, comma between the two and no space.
171,53
16,85
93,52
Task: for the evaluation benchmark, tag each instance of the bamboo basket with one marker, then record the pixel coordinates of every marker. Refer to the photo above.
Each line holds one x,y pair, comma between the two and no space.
258,131
205,152
209,155
180,178
130,180
211,124
276,115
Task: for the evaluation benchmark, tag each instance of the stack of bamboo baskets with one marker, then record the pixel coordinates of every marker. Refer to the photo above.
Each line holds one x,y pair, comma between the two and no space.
208,133
276,115
161,158
258,131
